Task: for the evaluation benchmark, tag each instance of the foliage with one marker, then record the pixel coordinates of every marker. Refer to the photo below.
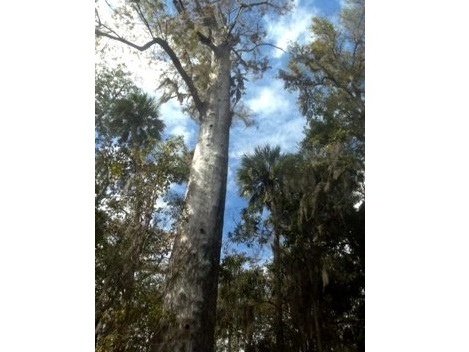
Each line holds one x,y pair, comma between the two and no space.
243,308
132,241
258,174
329,75
124,114
315,198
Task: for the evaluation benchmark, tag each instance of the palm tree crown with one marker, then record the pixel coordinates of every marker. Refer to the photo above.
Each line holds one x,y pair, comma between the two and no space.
259,174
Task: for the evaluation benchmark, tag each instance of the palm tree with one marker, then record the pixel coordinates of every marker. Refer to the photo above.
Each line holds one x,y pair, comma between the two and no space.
127,186
136,120
260,180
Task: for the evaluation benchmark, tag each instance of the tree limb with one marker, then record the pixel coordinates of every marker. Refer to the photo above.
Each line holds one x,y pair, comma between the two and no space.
244,5
247,50
206,41
142,17
199,104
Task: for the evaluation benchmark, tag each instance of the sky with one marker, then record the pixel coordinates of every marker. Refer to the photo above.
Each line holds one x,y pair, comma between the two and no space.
277,120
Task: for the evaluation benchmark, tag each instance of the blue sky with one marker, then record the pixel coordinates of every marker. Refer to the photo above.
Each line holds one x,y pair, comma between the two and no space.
275,113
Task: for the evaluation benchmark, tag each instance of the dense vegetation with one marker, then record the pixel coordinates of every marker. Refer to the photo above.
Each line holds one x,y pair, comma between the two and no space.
134,170
308,207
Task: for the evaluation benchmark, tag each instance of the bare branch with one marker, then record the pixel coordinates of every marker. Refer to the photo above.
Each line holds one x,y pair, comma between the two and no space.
247,50
243,5
235,20
206,41
96,13
241,60
142,17
116,37
114,11
244,63
179,5
200,105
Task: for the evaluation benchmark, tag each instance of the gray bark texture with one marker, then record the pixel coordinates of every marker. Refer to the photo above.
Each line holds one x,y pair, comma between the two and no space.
192,290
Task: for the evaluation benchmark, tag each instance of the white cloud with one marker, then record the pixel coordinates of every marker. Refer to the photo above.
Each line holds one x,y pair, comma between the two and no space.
287,135
177,123
181,130
277,120
269,99
292,27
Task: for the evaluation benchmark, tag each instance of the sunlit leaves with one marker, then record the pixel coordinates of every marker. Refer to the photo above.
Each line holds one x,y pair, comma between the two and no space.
134,171
329,75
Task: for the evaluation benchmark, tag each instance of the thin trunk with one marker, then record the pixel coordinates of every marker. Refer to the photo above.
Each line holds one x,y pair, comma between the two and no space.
279,334
317,326
229,339
192,290
278,299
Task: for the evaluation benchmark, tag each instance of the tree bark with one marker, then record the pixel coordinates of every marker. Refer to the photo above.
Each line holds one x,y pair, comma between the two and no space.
193,279
317,327
279,333
278,297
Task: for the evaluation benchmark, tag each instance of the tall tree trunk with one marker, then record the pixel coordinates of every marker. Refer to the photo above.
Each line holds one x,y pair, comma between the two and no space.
192,289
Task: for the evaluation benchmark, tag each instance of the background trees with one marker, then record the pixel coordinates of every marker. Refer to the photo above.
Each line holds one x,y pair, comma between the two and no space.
244,311
315,202
260,179
133,171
